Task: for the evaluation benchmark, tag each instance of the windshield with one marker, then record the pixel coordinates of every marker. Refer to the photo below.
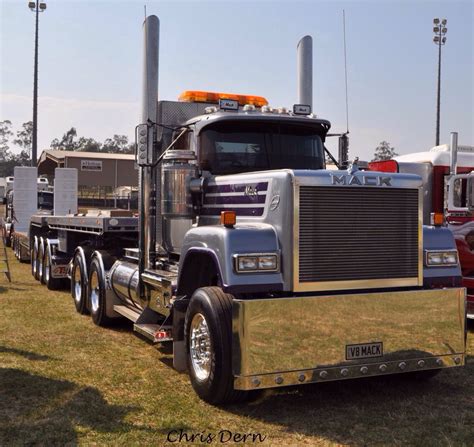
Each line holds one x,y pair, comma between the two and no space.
233,147
45,200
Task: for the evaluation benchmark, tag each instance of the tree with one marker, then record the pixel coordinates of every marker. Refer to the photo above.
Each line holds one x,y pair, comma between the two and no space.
88,145
24,137
384,152
67,142
5,134
118,143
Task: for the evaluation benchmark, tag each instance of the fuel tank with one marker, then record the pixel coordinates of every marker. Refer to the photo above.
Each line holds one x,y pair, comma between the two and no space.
124,282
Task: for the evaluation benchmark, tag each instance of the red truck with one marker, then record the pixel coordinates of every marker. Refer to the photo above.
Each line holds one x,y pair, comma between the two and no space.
445,170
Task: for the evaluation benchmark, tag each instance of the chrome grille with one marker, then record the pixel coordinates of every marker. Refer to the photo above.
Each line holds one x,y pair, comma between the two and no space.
357,233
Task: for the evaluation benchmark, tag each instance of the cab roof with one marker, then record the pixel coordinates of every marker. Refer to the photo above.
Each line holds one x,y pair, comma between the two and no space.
440,156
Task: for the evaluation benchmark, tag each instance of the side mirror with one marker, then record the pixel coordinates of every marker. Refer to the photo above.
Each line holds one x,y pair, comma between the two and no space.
470,191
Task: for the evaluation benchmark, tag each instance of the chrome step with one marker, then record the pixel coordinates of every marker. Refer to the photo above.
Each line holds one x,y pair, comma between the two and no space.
154,332
127,312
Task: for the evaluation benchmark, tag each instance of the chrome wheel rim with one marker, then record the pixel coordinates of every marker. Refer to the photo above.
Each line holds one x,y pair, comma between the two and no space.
77,285
200,347
94,291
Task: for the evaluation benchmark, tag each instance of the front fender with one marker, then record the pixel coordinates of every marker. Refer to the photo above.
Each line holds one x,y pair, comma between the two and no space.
223,243
440,238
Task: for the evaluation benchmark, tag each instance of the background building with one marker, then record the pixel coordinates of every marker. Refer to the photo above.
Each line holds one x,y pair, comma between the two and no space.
102,177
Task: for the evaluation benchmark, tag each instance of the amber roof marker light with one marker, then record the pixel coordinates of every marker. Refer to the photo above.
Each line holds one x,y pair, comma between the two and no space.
214,97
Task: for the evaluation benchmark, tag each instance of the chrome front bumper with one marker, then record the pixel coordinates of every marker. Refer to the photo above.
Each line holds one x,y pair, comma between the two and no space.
288,341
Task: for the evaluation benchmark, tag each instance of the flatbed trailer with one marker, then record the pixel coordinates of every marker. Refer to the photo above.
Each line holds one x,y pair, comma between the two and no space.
57,240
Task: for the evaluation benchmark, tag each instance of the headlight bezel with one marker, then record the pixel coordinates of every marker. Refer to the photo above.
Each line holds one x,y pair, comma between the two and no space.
443,254
240,256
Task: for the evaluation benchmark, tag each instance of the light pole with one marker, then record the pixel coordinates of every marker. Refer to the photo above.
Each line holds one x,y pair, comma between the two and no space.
439,39
36,7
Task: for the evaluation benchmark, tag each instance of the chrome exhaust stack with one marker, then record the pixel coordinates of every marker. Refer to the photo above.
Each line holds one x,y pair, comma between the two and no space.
148,193
305,71
453,152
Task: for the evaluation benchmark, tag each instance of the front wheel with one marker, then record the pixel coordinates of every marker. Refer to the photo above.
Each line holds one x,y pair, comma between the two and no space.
208,335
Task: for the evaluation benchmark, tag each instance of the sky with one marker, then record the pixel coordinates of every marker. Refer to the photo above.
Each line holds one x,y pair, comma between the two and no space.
90,64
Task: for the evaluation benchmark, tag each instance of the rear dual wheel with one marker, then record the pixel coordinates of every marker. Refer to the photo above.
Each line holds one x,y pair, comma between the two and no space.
34,259
101,262
40,261
79,281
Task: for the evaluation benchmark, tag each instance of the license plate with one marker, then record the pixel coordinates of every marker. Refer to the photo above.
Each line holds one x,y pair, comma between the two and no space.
364,351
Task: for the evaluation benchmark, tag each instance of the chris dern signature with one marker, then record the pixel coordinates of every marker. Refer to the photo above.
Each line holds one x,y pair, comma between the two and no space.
222,436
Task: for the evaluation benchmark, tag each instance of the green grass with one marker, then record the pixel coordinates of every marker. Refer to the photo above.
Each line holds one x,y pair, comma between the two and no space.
64,380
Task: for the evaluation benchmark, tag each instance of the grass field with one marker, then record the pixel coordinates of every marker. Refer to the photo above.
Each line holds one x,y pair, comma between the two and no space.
64,380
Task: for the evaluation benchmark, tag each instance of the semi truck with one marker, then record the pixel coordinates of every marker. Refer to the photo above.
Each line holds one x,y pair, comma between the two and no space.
7,224
445,170
261,268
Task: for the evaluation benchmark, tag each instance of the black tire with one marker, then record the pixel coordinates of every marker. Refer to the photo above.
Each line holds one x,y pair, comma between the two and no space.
34,259
215,307
79,291
41,248
51,283
97,294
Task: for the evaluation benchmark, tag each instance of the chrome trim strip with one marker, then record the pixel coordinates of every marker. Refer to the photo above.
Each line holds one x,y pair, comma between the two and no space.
344,372
356,284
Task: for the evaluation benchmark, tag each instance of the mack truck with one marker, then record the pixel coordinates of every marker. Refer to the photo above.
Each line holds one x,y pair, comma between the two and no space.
446,171
261,268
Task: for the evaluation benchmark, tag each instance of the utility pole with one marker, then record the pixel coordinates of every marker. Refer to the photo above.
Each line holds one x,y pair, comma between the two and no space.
36,7
439,39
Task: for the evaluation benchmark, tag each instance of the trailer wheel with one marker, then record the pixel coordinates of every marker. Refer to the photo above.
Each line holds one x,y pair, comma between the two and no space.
79,284
97,288
34,259
51,283
41,261
208,335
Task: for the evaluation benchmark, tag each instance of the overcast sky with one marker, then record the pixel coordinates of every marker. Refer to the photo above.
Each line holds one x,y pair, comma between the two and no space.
90,64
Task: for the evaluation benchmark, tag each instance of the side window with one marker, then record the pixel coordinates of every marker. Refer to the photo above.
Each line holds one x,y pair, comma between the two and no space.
459,193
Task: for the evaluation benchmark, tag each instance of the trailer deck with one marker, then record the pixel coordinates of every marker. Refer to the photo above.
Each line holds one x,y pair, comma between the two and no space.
98,225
